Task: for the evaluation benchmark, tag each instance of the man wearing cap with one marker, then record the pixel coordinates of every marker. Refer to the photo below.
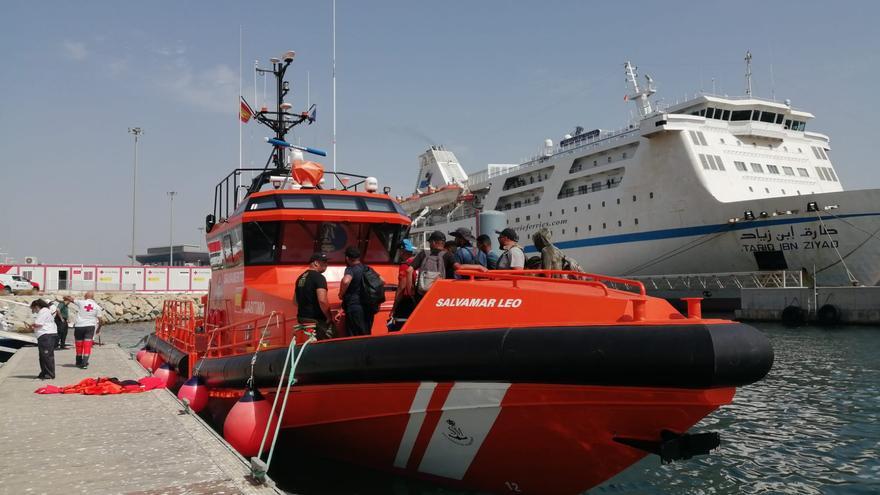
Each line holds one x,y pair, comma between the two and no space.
358,319
484,244
467,256
512,257
313,306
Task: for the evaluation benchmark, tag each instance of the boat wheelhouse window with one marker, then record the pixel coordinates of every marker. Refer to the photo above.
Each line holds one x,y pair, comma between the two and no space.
741,166
260,242
787,124
740,115
773,169
298,201
294,242
710,113
726,115
340,202
720,163
756,167
263,203
756,115
803,172
379,204
779,118
768,117
788,170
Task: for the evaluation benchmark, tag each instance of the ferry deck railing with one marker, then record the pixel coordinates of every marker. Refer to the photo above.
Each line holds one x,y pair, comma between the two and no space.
723,280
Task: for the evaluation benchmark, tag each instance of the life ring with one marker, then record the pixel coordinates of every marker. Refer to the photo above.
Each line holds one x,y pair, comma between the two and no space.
794,316
828,315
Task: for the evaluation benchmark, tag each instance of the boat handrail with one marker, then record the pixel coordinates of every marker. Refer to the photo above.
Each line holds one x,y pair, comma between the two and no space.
554,276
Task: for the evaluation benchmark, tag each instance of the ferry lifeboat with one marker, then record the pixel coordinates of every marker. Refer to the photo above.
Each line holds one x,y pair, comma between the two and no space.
506,381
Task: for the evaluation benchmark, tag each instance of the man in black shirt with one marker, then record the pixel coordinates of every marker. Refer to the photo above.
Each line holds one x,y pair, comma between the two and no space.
313,306
358,319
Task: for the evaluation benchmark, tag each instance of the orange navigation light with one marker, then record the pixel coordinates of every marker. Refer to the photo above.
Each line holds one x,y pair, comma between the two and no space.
308,174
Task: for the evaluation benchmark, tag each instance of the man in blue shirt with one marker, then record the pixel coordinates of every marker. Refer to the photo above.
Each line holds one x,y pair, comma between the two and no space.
358,319
484,244
467,256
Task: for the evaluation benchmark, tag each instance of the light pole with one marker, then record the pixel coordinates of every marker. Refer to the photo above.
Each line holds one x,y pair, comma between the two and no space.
137,132
171,195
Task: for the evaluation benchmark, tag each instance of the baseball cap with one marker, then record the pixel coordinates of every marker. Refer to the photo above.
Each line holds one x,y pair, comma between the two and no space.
437,236
509,233
318,257
465,233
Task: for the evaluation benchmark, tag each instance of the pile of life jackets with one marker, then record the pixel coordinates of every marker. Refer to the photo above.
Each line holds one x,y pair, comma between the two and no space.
104,386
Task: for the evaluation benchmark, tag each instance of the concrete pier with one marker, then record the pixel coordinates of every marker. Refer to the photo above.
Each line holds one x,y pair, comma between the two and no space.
129,443
854,305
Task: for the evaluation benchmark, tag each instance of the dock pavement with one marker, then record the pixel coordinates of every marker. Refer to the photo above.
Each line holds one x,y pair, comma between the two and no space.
113,444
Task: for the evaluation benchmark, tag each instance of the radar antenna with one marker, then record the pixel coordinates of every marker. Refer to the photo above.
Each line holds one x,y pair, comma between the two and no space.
748,73
639,96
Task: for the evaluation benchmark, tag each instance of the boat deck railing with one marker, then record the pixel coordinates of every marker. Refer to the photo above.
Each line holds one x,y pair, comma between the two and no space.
555,276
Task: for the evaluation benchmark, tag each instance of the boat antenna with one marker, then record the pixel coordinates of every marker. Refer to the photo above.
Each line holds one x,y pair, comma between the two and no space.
748,73
333,76
639,96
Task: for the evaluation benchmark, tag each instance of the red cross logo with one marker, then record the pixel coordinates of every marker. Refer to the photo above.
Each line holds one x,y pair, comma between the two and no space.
88,307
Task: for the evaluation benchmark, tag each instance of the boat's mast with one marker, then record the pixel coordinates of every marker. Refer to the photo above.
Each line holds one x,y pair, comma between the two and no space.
748,73
640,96
333,64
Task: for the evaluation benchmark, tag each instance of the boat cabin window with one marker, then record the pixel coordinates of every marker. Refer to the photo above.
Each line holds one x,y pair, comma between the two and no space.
741,115
298,201
379,205
263,203
294,242
340,203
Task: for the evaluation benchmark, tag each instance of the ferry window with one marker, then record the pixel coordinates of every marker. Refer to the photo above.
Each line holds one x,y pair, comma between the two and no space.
773,169
821,172
517,220
831,173
783,191
704,162
768,117
751,189
740,166
582,189
623,156
595,186
756,115
618,200
575,230
722,140
551,213
637,221
788,170
719,162
787,124
785,148
528,217
595,163
563,231
340,203
589,228
726,115
609,159
589,206
710,113
539,216
767,190
603,204
803,172
260,240
264,203
563,211
619,223
822,152
575,209
740,115
378,204
703,112
634,199
702,138
779,118
815,152
297,201
651,196
756,167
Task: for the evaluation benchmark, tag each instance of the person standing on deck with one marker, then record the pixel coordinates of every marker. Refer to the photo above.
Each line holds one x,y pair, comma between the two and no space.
467,256
312,304
88,315
513,257
358,319
484,244
46,332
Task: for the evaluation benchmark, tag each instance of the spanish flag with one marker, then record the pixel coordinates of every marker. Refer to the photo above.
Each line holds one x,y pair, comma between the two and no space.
245,112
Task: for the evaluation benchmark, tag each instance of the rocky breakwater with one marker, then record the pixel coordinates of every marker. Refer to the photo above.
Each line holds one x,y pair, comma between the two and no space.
118,307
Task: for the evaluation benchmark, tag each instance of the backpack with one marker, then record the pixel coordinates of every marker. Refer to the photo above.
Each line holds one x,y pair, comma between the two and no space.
432,268
571,265
372,289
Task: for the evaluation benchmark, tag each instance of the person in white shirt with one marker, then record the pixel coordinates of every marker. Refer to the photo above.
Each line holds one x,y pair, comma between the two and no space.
88,317
46,332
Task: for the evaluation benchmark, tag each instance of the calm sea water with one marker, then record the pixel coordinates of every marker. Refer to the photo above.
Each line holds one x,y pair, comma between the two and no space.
812,426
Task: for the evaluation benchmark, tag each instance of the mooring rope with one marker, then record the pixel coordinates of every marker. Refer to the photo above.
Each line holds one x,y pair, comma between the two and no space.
263,334
852,278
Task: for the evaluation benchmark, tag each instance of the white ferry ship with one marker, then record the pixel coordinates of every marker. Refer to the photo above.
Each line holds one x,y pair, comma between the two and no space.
712,184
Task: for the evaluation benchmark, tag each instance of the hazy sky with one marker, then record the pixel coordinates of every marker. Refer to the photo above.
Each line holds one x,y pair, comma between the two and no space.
490,80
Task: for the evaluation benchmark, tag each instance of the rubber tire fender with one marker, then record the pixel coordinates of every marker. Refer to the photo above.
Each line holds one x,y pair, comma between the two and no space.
828,315
794,316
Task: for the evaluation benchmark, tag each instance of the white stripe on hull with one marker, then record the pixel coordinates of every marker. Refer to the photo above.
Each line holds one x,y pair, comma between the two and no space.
416,418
